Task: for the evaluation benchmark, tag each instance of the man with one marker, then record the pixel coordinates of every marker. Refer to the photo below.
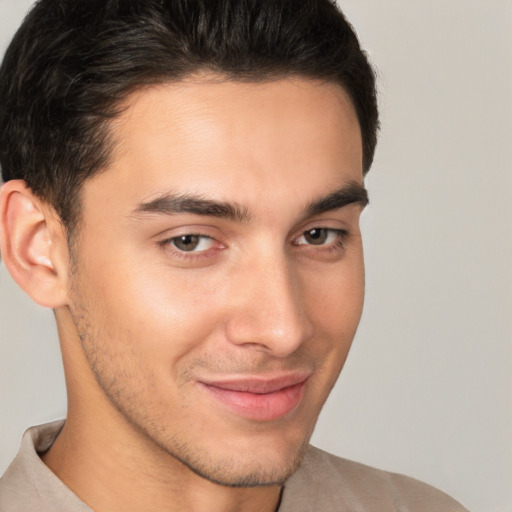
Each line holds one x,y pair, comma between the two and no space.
183,186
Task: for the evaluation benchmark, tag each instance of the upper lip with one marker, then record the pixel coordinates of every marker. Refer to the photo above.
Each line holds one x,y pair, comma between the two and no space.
258,384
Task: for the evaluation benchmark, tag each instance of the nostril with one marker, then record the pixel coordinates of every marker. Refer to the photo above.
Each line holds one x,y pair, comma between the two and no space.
276,330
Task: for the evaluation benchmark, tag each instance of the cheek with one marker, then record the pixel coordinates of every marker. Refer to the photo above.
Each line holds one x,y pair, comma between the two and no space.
161,314
337,300
335,307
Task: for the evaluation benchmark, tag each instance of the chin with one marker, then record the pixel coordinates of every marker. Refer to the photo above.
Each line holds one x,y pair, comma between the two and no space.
233,472
267,463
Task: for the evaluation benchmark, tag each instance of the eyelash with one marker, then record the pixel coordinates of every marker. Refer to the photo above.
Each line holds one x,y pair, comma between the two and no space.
339,243
168,244
340,238
328,252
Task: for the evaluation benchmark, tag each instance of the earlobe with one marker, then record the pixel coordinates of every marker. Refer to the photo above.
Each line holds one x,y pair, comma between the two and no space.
32,242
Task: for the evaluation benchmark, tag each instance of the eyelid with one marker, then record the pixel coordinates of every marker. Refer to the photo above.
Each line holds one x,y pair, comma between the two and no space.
340,235
202,239
169,238
165,242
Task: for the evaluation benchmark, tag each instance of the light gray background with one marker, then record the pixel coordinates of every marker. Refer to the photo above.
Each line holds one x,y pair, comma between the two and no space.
427,388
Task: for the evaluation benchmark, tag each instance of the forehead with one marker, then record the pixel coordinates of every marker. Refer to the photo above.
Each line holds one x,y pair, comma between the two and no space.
233,141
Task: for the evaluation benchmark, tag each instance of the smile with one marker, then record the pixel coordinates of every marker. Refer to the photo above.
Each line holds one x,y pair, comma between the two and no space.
259,399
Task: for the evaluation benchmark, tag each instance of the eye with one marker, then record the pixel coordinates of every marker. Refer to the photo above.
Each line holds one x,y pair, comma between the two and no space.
319,236
191,243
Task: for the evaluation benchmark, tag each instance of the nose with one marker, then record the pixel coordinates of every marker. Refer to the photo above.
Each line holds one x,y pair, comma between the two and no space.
268,311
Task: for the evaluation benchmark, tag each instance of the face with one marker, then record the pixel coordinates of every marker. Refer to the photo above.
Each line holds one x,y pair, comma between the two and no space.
218,278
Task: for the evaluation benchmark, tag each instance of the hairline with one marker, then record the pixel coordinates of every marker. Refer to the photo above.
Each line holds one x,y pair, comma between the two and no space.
202,75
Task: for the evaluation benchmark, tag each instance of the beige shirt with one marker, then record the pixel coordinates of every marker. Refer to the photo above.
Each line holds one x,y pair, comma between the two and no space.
323,483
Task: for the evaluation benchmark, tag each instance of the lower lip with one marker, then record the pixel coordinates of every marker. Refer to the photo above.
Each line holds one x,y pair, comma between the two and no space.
259,407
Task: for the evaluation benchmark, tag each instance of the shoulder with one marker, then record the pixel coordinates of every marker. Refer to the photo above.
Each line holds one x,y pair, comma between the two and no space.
28,485
327,482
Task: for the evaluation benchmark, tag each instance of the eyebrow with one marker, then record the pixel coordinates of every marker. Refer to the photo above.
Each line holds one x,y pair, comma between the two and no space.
170,204
349,194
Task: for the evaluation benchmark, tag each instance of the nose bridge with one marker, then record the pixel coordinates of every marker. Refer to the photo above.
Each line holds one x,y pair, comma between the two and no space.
270,311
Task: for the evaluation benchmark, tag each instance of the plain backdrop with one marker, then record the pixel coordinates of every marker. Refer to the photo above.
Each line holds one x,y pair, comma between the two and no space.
427,388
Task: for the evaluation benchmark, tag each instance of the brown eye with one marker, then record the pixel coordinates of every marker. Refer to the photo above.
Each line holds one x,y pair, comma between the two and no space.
317,236
187,243
191,246
321,236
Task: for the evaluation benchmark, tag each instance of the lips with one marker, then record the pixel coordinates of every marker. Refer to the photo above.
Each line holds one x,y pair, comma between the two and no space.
259,399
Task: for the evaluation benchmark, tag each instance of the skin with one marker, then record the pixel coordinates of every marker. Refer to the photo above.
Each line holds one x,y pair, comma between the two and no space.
144,324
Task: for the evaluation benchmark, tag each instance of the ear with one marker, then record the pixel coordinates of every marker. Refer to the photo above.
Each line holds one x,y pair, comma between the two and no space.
33,244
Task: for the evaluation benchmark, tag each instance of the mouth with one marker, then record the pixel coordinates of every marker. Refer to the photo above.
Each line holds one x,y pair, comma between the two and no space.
259,399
